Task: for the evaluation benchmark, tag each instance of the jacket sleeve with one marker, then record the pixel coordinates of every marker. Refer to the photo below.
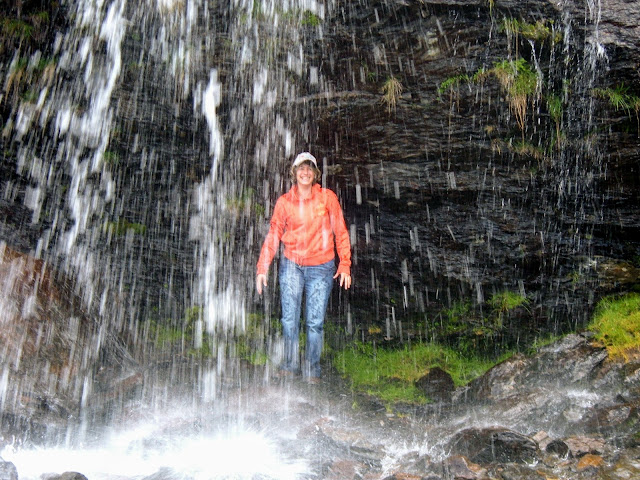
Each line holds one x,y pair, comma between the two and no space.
343,244
272,240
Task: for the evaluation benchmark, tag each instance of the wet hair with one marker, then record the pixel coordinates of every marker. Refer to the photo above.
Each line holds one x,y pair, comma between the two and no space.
317,177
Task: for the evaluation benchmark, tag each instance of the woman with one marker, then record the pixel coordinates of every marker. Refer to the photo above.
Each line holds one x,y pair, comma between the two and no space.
309,222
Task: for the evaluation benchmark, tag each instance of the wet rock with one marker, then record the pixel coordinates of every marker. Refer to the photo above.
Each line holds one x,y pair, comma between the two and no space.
618,273
518,472
582,445
345,470
404,476
51,351
572,361
500,381
459,467
590,462
165,474
626,466
619,420
494,445
558,447
65,476
8,471
436,385
542,439
355,444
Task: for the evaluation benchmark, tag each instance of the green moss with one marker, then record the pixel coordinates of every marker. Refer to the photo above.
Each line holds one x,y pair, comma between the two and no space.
616,323
310,19
390,374
619,98
30,96
257,9
14,28
111,157
251,343
516,76
538,31
522,147
555,107
179,336
519,81
457,317
246,202
506,301
122,226
40,17
452,83
540,342
45,64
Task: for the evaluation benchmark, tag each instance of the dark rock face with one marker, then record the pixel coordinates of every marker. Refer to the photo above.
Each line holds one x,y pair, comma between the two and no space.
452,190
454,193
494,445
52,354
451,199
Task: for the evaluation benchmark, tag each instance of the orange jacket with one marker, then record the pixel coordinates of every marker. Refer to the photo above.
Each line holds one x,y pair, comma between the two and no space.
310,230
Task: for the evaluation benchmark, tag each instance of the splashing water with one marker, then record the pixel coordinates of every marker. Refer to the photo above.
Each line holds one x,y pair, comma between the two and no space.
167,119
140,452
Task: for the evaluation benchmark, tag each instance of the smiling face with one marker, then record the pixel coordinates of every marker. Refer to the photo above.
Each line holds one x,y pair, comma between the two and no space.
305,174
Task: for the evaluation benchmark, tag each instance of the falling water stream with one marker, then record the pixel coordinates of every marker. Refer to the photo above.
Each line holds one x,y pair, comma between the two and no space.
144,191
152,161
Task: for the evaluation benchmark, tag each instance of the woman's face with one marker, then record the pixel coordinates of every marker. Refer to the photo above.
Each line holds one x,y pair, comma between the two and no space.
305,175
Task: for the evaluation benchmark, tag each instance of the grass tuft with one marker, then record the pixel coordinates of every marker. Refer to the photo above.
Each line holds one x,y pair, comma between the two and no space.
616,323
391,91
390,374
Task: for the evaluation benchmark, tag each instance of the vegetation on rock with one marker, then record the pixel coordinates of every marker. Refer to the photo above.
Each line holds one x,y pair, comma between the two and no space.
391,91
617,325
390,374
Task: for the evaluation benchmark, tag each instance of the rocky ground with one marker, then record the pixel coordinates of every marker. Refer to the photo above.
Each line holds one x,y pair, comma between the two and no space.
566,412
452,208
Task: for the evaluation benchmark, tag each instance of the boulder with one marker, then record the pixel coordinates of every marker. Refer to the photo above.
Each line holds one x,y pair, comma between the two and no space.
65,476
8,471
436,385
494,445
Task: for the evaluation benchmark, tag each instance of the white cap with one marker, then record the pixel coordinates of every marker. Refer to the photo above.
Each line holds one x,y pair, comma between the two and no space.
304,157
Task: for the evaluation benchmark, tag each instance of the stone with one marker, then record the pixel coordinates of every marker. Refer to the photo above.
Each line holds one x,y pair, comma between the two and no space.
459,467
436,384
50,350
344,470
494,445
582,445
589,461
559,448
8,471
65,476
542,439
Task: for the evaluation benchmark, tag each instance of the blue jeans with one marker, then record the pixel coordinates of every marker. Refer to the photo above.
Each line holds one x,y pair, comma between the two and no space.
316,283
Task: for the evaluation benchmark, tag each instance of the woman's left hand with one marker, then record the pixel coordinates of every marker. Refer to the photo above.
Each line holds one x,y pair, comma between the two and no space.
345,280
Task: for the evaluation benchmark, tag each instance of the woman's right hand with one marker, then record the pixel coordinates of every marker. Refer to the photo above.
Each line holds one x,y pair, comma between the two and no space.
261,281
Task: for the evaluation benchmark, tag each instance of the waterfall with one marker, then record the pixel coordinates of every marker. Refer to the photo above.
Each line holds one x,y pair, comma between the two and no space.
152,156
146,158
151,153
